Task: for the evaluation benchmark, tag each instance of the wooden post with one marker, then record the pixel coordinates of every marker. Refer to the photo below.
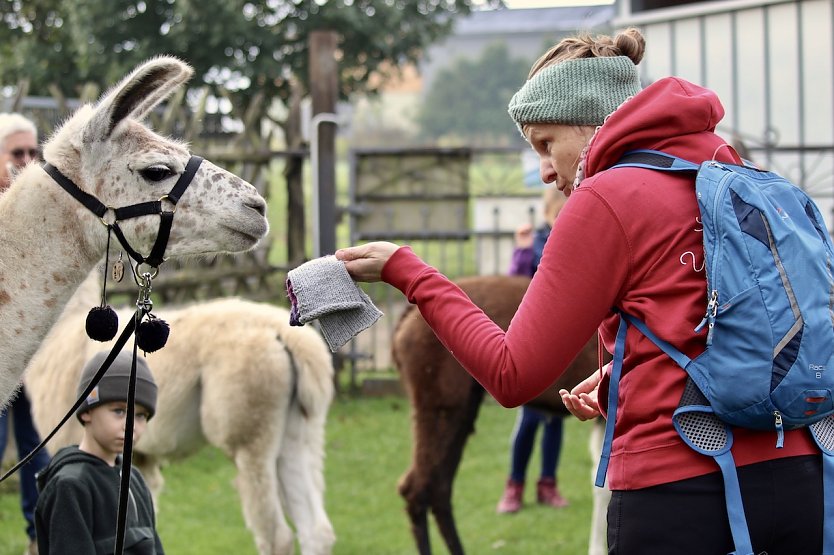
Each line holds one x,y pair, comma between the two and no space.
324,89
294,175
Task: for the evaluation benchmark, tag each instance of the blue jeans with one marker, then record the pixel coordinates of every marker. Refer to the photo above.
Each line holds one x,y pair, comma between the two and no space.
27,438
524,438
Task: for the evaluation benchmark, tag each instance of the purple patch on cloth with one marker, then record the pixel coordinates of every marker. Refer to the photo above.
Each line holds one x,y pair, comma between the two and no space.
294,321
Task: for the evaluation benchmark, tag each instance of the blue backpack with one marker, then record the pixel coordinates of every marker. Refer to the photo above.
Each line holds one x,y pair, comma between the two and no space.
769,321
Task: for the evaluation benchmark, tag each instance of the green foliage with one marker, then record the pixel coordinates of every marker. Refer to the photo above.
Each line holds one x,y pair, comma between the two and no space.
468,100
256,45
368,449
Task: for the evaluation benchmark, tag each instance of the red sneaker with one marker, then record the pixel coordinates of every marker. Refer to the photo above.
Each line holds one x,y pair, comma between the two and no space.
511,500
547,493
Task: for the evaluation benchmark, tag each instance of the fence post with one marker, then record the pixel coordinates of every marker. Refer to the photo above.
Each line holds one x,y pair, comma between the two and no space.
324,90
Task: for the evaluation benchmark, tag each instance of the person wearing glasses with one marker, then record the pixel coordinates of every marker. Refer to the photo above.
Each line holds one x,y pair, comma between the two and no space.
18,146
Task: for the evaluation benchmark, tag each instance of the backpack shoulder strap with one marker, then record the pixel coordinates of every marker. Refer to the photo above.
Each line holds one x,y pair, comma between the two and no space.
655,160
614,382
671,351
718,441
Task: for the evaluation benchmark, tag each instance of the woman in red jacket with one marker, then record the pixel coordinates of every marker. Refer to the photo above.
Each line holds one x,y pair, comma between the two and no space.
628,238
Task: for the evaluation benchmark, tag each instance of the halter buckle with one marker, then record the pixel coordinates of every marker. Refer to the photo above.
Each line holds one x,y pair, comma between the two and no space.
168,198
143,278
108,210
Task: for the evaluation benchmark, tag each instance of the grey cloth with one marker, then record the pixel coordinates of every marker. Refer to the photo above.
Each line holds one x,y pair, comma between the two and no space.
322,290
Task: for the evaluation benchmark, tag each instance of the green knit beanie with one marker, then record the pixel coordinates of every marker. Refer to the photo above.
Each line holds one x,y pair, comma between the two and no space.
582,91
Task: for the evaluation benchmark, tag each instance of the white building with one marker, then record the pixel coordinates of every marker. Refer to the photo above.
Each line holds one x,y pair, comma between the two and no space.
771,63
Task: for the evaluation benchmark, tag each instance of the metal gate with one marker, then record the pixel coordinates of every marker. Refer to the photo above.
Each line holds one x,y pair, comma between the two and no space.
457,208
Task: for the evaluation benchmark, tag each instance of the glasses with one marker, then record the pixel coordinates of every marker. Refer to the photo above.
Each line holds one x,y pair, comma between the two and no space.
19,153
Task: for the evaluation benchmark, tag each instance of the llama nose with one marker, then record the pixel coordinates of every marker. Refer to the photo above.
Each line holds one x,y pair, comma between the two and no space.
258,204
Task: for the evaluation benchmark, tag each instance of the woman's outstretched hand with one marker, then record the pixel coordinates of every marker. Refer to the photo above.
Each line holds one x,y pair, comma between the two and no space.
365,262
581,401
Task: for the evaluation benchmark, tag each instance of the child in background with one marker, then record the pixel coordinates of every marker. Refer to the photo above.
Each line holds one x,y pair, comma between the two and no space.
529,244
79,490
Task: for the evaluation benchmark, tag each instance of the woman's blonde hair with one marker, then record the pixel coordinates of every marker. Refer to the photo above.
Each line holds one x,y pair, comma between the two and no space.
627,43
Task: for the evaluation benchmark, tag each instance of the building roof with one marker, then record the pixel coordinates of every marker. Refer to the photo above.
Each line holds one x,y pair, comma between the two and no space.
534,20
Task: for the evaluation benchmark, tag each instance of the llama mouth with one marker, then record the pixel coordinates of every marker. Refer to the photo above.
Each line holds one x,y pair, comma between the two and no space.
249,234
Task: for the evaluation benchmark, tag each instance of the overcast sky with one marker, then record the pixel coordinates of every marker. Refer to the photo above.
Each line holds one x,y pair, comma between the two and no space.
552,3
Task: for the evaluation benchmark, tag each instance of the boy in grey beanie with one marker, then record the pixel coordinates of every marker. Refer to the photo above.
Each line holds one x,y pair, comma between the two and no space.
79,499
113,385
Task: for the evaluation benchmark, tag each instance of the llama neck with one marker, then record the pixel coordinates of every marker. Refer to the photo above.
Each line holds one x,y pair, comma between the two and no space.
48,244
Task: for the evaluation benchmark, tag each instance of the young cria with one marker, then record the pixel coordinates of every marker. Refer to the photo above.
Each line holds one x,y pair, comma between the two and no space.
49,241
234,375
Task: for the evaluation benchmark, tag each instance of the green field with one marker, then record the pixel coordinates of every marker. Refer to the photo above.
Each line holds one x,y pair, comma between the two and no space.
368,448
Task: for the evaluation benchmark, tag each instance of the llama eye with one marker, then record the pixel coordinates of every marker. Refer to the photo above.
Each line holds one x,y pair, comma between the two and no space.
156,173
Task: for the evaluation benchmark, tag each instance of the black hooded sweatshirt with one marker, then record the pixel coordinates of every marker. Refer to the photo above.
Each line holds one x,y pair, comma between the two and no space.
78,506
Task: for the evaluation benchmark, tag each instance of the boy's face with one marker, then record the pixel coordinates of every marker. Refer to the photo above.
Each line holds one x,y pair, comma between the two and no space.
104,429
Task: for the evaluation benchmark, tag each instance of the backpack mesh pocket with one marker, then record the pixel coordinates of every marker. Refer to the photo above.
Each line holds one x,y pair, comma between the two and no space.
697,425
823,432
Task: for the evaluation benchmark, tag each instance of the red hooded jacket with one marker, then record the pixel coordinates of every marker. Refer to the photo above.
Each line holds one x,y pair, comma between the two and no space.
628,238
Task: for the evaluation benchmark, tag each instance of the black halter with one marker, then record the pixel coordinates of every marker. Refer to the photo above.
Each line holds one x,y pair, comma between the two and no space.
143,304
157,255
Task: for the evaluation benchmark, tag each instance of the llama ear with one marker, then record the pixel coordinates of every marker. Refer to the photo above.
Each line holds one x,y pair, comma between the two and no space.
136,95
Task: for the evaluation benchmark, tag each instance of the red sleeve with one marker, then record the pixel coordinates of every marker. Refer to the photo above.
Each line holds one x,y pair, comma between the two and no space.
584,268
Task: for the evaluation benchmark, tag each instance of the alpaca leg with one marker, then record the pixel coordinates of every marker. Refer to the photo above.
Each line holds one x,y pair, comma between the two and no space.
441,508
460,426
149,467
301,477
598,542
440,434
256,477
415,492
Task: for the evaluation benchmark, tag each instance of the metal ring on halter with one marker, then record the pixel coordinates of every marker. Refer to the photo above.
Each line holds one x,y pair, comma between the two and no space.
108,209
136,273
168,198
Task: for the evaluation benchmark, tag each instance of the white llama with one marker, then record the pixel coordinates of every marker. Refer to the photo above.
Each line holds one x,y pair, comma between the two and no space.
233,374
49,241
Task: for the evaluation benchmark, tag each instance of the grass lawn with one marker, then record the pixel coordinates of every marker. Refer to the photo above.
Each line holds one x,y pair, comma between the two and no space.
368,449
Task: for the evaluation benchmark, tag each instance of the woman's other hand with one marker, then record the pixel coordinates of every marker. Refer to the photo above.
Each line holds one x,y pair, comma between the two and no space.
365,262
581,401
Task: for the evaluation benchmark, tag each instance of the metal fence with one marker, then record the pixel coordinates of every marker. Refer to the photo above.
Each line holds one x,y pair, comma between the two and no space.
457,208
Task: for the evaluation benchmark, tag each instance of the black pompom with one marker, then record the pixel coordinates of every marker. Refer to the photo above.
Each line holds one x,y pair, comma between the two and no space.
152,335
102,323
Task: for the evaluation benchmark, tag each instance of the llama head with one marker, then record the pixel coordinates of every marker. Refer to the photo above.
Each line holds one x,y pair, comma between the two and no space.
107,152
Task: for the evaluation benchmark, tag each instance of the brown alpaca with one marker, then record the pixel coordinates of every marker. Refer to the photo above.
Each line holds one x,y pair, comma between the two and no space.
445,401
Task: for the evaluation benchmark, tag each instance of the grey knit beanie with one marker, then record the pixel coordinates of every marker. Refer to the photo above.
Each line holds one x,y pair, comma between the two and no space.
583,91
113,385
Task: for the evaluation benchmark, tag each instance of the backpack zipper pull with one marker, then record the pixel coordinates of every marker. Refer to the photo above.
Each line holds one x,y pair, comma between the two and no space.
780,431
709,317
